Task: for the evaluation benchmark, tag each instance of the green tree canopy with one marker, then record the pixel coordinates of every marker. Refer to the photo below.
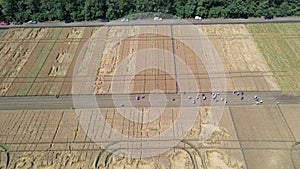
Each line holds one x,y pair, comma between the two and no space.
79,10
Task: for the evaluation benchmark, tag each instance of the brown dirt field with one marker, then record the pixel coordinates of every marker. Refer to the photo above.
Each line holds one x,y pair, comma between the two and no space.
290,113
259,126
147,80
244,65
138,130
269,159
184,48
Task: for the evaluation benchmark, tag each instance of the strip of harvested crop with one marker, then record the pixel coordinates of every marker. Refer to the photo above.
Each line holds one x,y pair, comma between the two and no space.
38,64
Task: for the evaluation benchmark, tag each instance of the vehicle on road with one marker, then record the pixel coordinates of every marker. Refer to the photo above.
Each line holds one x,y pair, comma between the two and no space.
4,23
124,20
32,22
157,19
104,20
268,17
198,18
68,21
17,23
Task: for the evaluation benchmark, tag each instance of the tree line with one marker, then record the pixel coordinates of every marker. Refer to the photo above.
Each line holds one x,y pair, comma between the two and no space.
79,10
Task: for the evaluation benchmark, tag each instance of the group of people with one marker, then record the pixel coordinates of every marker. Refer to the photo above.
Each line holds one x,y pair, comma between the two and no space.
215,96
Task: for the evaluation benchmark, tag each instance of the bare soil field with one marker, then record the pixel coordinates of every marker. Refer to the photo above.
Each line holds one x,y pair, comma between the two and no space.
268,135
131,46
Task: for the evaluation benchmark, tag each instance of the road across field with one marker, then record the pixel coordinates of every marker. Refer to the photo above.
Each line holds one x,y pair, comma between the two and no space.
106,101
151,22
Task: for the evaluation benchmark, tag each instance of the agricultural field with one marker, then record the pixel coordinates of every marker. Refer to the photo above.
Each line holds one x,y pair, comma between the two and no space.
41,61
279,44
244,65
256,59
32,138
38,136
2,31
132,40
37,61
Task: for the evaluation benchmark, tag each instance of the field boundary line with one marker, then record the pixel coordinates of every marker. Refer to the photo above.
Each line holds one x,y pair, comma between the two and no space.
238,137
174,55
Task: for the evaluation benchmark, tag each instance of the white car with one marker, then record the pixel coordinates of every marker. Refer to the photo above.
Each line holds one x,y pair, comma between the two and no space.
157,19
32,22
124,20
198,18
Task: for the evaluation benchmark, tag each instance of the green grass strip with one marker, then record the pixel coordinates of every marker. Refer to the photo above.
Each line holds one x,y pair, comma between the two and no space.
24,89
277,44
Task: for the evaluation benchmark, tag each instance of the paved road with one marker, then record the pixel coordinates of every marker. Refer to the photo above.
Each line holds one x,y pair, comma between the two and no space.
106,101
151,22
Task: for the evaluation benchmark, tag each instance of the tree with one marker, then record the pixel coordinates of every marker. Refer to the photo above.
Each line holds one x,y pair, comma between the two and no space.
201,10
98,8
190,8
237,9
9,9
215,12
78,10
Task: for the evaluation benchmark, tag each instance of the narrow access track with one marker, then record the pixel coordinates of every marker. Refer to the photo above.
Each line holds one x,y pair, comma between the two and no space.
106,101
59,24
